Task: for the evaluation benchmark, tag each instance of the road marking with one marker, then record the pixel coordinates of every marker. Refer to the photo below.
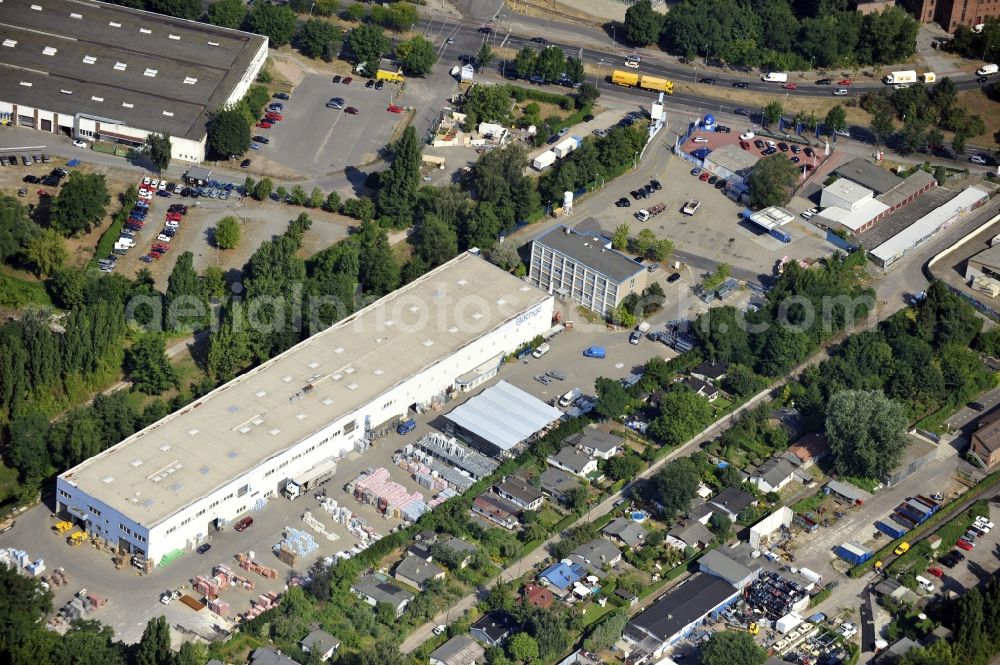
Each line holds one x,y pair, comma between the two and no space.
329,133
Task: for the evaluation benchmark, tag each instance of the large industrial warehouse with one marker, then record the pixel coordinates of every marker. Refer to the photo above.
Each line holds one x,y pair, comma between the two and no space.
164,488
102,72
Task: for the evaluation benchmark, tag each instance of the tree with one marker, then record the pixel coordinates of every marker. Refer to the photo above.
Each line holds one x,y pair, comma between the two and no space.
587,94
46,251
28,450
227,13
683,414
881,125
619,240
721,526
332,203
522,648
674,486
867,432
484,57
551,63
642,24
772,112
772,180
16,228
191,653
741,381
158,147
417,56
185,303
18,619
362,208
398,184
368,44
624,467
147,366
228,130
229,348
189,9
379,272
732,647
355,12
227,232
262,191
504,255
575,73
154,646
526,62
436,242
398,16
297,196
317,38
80,204
612,400
316,198
276,22
836,118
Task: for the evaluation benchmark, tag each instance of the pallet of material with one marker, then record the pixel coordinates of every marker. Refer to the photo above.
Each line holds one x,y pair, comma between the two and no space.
249,564
219,607
193,603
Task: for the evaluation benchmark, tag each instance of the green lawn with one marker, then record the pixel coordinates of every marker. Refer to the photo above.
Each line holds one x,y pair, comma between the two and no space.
548,517
16,292
594,612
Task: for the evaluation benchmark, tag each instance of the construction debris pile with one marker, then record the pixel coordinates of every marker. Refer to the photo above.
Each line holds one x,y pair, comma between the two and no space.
375,488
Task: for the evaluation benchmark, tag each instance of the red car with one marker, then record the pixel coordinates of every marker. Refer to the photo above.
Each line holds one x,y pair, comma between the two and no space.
264,124
135,222
745,145
705,175
394,109
350,110
936,572
347,80
274,117
790,86
846,82
964,545
42,192
243,524
173,217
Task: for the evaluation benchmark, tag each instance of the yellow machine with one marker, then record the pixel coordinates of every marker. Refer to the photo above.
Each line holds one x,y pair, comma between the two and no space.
388,75
753,628
77,538
618,77
63,527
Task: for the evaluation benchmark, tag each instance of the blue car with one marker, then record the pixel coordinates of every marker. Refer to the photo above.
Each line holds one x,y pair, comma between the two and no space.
594,352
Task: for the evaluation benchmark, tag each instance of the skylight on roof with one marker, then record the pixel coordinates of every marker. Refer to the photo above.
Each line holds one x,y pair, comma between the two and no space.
287,378
389,323
428,342
169,114
136,463
147,503
260,393
120,66
258,421
327,402
525,288
107,480
114,25
49,50
89,59
313,365
462,282
26,84
413,308
349,370
501,302
37,8
339,349
274,431
213,43
338,376
176,487
352,386
149,72
165,447
300,416
378,372
65,92
10,43
190,80
128,105
477,315
193,431
75,15
244,430
453,329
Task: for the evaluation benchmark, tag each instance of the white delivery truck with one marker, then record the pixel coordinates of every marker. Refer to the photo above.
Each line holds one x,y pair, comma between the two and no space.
986,70
541,350
775,77
895,78
544,160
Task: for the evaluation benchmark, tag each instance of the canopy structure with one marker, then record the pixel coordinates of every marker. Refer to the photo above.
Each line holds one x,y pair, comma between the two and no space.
489,415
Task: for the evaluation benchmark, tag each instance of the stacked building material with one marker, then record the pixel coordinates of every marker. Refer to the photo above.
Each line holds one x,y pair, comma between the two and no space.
206,587
246,563
442,496
15,558
296,542
219,606
389,497
35,568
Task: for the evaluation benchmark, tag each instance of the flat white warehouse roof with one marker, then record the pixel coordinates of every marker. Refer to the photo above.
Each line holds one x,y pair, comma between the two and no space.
927,225
184,457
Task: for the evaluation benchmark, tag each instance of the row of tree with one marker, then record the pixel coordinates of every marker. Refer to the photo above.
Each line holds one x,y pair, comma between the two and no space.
974,619
775,34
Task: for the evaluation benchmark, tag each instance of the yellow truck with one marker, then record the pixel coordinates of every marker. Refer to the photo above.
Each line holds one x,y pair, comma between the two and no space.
657,84
630,79
389,75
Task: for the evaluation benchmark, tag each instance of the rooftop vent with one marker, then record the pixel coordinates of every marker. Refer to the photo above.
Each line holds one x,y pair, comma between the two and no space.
49,50
233,454
233,409
176,487
203,470
147,503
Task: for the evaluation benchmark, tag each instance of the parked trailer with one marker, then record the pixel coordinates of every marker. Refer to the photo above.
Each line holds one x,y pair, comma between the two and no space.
905,520
920,507
780,235
656,84
914,514
544,160
891,528
930,503
629,79
895,78
567,146
853,553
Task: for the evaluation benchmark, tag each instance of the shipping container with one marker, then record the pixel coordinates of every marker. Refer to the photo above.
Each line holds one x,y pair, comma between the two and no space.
930,503
629,79
852,553
891,528
905,520
780,235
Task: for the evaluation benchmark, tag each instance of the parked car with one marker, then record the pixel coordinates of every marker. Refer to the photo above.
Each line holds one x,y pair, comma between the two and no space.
80,143
758,144
722,129
379,84
281,95
964,545
243,524
370,83
623,203
845,82
263,140
840,92
245,164
747,136
673,277
977,159
202,549
347,80
350,110
656,185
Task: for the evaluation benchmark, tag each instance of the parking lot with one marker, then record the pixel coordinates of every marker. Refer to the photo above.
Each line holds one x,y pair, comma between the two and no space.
315,140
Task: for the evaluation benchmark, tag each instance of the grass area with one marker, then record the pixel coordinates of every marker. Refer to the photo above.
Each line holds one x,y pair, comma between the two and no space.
977,103
809,504
548,516
8,482
820,597
867,484
16,292
594,612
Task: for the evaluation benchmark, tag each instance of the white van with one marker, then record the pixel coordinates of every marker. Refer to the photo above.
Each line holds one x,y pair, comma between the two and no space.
540,351
925,584
775,77
570,397
986,70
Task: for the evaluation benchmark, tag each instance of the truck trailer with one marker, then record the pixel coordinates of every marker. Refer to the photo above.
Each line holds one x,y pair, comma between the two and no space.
895,78
656,84
629,79
314,477
544,160
567,146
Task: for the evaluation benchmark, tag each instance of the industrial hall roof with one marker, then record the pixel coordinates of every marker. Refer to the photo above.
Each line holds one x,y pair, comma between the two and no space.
127,66
184,457
488,415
